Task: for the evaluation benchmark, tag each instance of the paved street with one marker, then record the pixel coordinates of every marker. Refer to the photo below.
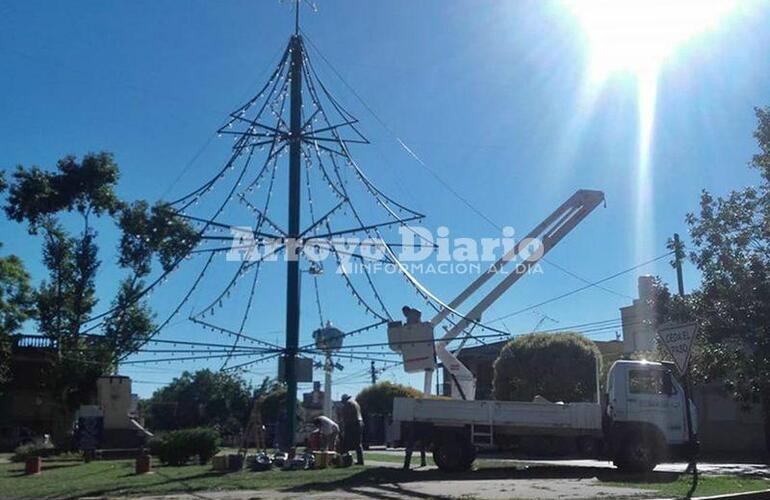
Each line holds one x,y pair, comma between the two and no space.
535,479
503,489
427,482
748,468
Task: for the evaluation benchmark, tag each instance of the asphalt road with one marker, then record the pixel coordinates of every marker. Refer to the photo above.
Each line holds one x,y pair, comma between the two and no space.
543,479
748,468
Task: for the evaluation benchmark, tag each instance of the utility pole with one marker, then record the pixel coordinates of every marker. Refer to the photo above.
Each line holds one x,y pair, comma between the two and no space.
374,374
692,438
293,246
678,258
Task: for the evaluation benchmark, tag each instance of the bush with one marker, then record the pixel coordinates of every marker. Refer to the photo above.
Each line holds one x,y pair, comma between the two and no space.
377,399
37,448
556,366
178,447
154,445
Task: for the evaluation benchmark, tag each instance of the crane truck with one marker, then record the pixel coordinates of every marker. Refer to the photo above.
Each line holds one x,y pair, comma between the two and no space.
638,422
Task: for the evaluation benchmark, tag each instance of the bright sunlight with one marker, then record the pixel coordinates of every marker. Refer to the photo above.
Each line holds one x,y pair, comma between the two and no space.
637,37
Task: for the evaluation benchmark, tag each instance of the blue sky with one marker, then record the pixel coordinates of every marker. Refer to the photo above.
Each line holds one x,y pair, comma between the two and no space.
490,95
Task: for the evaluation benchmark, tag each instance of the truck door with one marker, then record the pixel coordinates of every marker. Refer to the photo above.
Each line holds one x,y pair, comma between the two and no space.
653,396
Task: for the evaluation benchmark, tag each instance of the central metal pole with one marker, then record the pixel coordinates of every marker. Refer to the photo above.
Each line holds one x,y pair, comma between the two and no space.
293,248
328,367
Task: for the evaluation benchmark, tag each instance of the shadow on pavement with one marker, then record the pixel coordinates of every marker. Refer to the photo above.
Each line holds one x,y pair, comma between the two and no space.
392,481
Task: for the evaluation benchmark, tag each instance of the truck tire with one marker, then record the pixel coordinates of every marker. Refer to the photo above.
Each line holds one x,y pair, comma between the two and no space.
453,455
637,454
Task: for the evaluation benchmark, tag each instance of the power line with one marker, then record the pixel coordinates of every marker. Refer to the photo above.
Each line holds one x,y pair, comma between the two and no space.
435,174
572,292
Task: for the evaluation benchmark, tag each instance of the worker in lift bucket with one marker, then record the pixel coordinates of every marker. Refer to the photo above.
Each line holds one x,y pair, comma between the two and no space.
329,430
352,428
413,316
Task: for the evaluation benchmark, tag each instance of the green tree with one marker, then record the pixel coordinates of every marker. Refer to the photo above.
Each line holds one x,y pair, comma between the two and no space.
556,366
66,300
16,306
731,247
377,399
16,295
201,399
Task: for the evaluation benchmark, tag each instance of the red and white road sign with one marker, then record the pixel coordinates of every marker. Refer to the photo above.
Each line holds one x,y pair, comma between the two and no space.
678,340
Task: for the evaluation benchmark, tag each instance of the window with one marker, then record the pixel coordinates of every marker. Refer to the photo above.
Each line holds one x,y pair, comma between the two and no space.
650,382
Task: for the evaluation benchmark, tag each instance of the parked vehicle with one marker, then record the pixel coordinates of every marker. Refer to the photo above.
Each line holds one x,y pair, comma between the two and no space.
640,423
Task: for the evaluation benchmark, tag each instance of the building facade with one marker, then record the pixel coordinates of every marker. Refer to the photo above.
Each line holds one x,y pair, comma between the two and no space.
639,320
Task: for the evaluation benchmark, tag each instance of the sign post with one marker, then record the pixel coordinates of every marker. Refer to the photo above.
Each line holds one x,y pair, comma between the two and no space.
678,340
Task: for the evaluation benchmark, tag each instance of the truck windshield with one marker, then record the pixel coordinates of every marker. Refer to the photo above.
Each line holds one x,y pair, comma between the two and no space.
647,382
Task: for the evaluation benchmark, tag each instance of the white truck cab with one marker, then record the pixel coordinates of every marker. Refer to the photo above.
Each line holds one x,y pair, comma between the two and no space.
646,414
643,391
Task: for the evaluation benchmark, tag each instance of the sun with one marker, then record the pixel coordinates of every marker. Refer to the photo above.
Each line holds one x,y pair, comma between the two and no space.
637,36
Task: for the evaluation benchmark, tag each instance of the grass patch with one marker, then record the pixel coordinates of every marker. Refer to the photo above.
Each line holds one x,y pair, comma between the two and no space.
707,485
67,479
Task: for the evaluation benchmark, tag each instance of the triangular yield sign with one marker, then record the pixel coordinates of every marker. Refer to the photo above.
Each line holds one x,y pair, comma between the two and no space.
678,340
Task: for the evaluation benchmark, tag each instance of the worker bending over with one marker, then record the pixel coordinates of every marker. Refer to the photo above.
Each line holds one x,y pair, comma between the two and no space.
329,430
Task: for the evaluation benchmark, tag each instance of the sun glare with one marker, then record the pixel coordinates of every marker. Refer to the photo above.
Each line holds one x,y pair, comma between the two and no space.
637,36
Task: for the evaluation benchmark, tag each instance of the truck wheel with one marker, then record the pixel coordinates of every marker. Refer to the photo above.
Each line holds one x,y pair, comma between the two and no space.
453,455
637,455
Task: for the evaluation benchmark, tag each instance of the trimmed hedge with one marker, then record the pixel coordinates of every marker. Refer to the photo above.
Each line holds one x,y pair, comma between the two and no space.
179,447
556,366
377,399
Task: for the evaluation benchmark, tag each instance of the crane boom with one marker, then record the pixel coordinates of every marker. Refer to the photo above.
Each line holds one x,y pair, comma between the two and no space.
544,237
414,340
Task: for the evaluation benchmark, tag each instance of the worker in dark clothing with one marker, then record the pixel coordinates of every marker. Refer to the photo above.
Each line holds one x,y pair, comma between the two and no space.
417,434
352,428
413,316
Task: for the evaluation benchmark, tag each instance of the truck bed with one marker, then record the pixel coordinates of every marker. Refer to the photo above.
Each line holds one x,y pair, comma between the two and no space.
513,416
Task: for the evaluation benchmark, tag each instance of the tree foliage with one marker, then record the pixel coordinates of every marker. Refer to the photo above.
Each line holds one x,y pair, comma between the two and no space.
152,231
556,366
731,247
67,298
16,306
377,399
86,187
201,399
16,295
